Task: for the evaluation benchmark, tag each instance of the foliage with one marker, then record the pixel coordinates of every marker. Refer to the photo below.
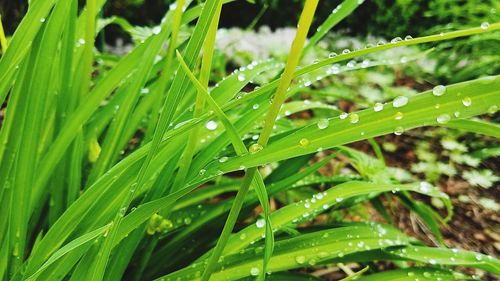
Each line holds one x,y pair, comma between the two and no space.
125,167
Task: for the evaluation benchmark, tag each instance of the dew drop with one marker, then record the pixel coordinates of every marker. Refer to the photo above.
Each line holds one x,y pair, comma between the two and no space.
425,187
346,51
187,220
354,118
439,90
243,236
343,115
400,101
335,69
398,131
323,124
466,101
223,159
408,37
304,142
485,25
332,55
241,77
156,30
254,148
255,106
399,115
260,223
443,118
211,125
378,107
254,271
300,259
42,20
396,40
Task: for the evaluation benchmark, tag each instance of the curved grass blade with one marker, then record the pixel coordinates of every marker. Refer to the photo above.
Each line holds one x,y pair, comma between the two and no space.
412,274
68,248
301,251
309,208
419,111
452,257
476,126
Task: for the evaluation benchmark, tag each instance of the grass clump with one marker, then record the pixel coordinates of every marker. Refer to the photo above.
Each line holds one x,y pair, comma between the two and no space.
124,168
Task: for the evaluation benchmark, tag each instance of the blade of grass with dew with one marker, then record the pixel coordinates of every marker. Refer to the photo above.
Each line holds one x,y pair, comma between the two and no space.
418,112
305,210
411,274
293,59
300,251
452,257
240,149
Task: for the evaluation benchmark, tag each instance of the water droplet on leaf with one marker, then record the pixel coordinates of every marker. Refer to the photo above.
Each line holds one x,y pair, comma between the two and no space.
400,101
439,90
323,124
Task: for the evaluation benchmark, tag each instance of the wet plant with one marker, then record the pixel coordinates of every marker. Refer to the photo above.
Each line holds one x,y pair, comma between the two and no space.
137,168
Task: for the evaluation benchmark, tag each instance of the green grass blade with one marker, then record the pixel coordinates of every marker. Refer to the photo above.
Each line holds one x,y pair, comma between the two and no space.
303,250
420,111
476,126
411,274
452,257
338,14
68,248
